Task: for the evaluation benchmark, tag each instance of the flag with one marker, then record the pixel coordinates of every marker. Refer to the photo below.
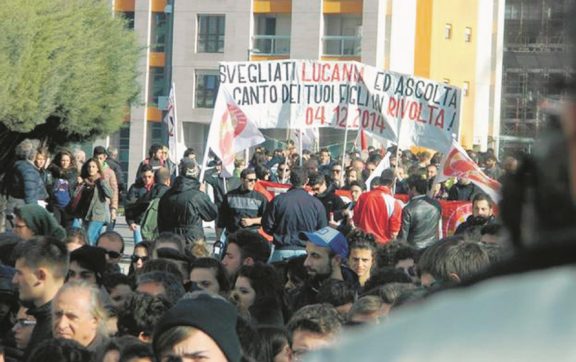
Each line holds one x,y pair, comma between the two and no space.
362,140
175,130
310,137
230,131
383,165
457,163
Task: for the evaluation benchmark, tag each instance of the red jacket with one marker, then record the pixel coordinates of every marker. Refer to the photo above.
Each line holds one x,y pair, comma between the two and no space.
379,213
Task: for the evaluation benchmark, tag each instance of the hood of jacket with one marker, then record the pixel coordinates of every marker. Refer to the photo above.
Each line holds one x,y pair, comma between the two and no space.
183,183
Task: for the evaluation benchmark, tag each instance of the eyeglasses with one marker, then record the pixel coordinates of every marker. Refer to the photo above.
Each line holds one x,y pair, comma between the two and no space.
250,179
283,170
21,323
135,258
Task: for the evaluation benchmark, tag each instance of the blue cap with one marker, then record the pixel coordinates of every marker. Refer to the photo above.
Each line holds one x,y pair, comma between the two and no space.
328,237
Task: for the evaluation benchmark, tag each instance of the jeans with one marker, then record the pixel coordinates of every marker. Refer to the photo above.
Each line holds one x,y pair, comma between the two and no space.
93,231
137,233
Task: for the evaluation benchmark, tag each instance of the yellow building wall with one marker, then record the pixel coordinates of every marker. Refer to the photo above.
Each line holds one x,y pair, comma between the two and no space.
342,7
423,43
454,59
272,6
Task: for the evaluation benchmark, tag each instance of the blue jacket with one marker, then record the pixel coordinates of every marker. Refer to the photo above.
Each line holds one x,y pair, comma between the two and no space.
25,183
291,213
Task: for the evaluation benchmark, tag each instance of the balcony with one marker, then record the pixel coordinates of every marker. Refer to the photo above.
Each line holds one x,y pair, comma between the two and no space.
342,46
271,45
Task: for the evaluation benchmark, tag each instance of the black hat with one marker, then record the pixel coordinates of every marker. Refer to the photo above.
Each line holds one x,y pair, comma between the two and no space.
90,257
100,150
212,315
189,168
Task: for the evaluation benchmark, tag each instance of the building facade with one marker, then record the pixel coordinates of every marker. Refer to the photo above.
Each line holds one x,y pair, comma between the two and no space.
453,41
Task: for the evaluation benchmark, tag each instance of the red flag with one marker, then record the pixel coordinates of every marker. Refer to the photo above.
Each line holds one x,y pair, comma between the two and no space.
231,131
457,163
362,140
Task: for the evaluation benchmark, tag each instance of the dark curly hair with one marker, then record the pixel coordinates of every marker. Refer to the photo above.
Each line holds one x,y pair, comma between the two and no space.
140,314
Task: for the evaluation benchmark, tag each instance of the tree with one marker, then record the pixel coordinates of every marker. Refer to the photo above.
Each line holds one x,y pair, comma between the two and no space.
67,72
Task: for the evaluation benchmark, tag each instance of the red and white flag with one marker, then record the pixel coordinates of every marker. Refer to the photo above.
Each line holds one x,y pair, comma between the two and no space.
457,163
230,131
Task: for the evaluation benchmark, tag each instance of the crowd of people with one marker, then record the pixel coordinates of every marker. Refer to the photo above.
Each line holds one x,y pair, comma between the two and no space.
287,275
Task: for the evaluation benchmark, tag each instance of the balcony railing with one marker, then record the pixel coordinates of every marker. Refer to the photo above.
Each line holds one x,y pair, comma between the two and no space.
271,44
340,45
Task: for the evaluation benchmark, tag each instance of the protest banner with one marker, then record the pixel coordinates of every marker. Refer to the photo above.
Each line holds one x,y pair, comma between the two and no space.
301,94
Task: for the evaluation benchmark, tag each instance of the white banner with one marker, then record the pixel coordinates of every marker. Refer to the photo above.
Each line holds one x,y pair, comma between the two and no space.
305,94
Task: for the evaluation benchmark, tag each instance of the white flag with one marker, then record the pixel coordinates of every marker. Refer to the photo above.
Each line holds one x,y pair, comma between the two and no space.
231,131
383,165
176,142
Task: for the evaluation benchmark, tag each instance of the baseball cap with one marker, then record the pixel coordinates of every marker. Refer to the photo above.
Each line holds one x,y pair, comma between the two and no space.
328,237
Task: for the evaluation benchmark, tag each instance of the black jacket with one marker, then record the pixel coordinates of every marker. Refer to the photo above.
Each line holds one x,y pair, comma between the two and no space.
460,192
420,219
291,213
473,225
135,206
43,328
332,203
308,293
183,208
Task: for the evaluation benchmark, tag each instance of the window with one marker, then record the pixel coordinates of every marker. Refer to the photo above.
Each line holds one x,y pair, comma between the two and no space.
159,31
342,35
210,33
448,31
207,83
156,85
468,34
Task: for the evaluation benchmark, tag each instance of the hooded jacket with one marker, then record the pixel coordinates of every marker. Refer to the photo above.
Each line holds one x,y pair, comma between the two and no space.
183,208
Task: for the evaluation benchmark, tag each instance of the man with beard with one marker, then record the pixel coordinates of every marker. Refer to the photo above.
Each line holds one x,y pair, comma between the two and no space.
326,249
482,214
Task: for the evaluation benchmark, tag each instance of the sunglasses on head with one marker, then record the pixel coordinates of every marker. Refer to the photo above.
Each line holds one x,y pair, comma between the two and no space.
135,258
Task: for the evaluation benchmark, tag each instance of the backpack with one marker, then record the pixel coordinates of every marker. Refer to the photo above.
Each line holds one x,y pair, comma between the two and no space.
61,193
149,221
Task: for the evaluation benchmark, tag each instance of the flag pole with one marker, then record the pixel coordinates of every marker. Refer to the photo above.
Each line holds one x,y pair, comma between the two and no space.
344,152
178,129
300,146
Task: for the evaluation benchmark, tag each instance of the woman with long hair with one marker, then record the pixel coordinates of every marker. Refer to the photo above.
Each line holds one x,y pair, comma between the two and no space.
64,181
91,199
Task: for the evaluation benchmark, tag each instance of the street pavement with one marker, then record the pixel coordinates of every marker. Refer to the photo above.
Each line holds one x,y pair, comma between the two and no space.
122,228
